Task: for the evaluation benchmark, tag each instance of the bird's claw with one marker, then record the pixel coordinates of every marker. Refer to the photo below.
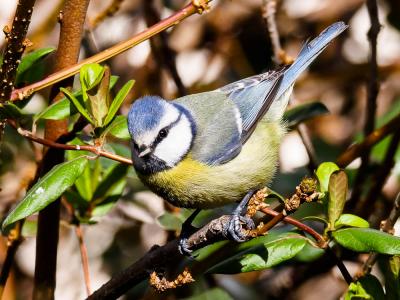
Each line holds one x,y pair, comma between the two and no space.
239,228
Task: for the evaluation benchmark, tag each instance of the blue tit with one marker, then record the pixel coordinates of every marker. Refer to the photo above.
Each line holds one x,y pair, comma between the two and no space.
209,149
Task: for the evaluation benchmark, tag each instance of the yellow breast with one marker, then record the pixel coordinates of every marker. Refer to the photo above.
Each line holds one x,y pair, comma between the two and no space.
193,184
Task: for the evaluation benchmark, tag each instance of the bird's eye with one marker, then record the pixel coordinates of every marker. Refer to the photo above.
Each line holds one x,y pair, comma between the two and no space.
163,133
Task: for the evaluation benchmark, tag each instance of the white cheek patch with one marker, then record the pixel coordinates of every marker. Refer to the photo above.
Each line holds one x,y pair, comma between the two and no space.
170,115
177,143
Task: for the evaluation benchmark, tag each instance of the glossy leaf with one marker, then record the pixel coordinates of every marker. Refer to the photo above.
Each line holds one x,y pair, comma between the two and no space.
10,110
324,172
78,105
57,111
31,58
304,112
351,221
277,251
47,189
367,240
118,128
170,221
338,186
123,92
90,75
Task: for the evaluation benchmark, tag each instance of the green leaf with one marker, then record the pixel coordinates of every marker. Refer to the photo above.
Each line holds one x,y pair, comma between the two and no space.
356,292
367,287
57,111
113,177
47,189
277,251
338,186
31,58
367,240
309,253
118,128
304,112
351,220
78,105
90,75
98,96
123,92
324,172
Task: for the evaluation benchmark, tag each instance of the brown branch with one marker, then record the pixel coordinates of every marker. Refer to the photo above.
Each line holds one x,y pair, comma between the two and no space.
365,206
372,94
71,29
164,55
196,6
372,139
16,44
386,226
93,149
84,258
14,240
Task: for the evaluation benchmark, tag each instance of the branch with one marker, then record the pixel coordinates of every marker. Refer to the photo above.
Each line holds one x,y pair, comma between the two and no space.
16,44
163,54
196,6
93,149
386,226
84,258
356,150
372,94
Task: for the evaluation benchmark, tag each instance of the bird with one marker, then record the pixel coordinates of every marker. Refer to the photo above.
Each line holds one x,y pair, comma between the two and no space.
213,148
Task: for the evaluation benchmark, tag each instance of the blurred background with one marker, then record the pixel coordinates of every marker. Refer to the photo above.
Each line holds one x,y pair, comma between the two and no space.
227,43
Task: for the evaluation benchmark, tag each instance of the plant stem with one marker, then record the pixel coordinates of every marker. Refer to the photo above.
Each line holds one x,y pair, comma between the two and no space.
195,6
84,258
72,20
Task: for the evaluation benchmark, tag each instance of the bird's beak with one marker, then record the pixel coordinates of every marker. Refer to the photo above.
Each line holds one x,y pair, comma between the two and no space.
144,152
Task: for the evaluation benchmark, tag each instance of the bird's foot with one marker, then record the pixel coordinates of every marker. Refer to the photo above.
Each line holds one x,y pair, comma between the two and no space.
240,226
187,230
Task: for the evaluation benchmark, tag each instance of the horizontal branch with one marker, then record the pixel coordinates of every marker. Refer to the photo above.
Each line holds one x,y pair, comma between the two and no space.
196,6
94,149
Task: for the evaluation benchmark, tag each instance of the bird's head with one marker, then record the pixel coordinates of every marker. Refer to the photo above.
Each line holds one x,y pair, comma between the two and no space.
161,134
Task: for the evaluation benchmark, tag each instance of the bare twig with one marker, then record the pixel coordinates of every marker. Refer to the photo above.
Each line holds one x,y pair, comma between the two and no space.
386,226
14,240
365,206
164,55
196,6
84,258
372,94
372,139
71,28
94,149
16,44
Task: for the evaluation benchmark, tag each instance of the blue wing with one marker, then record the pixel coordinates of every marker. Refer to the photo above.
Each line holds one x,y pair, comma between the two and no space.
255,95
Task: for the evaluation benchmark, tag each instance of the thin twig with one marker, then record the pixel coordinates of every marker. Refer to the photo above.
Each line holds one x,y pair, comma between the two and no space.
196,6
16,44
386,226
372,94
356,150
94,149
365,206
164,55
84,258
14,240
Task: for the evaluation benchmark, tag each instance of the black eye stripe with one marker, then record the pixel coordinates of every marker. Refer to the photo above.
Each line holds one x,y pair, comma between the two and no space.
163,133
